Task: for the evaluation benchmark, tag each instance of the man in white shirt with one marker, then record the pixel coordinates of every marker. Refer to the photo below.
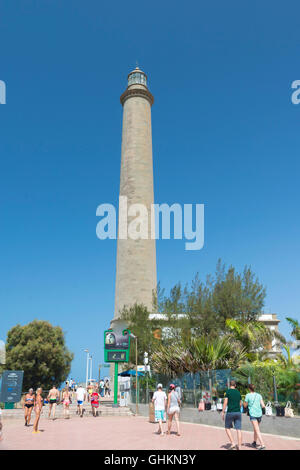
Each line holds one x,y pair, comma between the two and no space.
80,395
160,400
101,385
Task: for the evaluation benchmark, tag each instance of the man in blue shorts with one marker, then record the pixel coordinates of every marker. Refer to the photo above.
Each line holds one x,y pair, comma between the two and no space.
81,396
160,400
233,402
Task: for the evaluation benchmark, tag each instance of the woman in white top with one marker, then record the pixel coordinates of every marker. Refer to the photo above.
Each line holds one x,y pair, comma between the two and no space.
173,409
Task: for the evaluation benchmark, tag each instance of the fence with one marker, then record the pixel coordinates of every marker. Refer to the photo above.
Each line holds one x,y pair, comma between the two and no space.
192,387
210,385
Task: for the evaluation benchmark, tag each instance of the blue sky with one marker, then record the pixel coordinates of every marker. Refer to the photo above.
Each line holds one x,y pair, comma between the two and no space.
225,134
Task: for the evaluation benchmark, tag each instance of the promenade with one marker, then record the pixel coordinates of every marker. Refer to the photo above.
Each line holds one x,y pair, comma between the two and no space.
123,433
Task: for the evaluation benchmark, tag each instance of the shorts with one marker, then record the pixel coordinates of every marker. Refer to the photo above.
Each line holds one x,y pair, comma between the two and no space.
52,401
253,418
160,414
79,402
233,418
174,409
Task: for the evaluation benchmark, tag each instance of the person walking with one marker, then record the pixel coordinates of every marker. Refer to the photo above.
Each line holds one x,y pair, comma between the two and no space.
173,409
159,400
179,392
38,409
28,405
95,397
255,404
66,399
52,398
101,385
106,388
81,396
233,403
89,391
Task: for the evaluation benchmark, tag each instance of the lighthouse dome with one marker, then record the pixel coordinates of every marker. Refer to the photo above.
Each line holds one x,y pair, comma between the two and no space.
137,77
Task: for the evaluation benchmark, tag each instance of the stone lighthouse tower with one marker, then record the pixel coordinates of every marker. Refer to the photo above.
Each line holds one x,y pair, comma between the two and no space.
136,257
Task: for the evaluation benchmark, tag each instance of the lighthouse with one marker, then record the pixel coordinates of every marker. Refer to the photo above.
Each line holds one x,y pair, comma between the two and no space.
136,257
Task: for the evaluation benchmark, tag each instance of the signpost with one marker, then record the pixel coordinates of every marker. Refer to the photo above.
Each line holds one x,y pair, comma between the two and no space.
11,388
116,349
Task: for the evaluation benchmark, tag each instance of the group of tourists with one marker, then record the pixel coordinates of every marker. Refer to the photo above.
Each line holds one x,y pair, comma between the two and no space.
92,395
35,401
104,388
232,410
171,404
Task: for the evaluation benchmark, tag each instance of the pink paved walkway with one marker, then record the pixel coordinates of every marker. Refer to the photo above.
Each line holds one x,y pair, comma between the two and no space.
111,433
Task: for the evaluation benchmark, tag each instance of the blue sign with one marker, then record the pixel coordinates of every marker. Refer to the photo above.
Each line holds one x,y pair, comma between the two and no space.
11,387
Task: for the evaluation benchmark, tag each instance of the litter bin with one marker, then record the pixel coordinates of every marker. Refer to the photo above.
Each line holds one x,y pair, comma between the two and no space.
9,406
280,410
151,413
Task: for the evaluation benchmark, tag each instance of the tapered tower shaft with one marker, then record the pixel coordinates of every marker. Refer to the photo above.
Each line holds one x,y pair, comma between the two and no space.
136,258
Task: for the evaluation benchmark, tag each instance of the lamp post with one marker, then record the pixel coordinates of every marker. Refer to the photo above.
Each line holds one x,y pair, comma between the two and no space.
136,375
91,367
275,391
87,368
146,360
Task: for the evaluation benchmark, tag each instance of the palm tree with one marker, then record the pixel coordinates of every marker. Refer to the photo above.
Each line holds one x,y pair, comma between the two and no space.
252,335
197,354
219,353
296,327
286,362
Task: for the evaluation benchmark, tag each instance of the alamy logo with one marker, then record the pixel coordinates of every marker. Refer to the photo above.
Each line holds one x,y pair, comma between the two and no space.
137,221
2,92
296,94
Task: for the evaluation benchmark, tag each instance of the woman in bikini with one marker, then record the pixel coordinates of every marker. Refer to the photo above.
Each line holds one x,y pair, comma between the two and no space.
29,402
38,409
66,402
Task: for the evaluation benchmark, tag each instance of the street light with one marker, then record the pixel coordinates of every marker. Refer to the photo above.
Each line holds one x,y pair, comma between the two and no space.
136,375
146,360
91,367
87,368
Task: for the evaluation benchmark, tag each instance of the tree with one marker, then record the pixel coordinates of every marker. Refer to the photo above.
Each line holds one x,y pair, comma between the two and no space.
39,350
252,335
197,354
138,322
261,374
206,306
295,328
286,361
